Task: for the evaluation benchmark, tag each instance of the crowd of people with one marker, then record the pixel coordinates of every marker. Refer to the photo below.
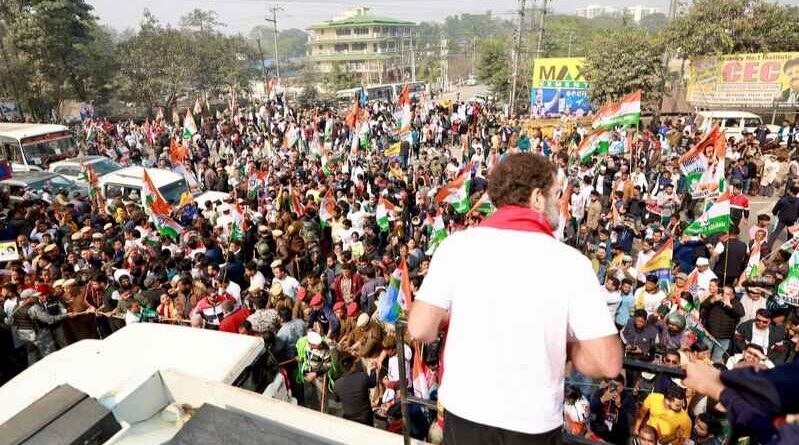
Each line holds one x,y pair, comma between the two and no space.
329,208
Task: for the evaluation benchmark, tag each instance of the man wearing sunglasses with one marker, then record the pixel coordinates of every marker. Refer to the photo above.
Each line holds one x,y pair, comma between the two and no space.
762,332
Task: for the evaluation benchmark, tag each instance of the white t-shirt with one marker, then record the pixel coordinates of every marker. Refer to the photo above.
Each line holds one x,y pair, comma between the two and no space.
520,305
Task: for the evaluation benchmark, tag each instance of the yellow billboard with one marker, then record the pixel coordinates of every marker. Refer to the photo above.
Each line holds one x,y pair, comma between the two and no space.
757,80
560,72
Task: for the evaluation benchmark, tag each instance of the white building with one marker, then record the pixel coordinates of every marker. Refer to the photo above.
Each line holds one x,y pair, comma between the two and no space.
638,12
634,12
594,11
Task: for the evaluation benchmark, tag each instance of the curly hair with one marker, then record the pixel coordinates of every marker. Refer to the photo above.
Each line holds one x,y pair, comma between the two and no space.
514,179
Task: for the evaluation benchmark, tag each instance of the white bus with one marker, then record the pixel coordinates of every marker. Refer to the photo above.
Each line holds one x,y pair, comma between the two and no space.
385,93
30,147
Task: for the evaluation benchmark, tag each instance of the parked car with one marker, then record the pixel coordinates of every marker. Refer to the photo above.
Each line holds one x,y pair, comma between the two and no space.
36,184
73,168
734,123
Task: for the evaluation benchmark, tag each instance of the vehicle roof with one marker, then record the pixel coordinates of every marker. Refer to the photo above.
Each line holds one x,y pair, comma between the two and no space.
133,176
27,177
76,161
20,131
723,114
97,367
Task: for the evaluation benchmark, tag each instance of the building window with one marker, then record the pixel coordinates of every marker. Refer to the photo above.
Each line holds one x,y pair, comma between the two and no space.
343,32
358,46
361,31
341,47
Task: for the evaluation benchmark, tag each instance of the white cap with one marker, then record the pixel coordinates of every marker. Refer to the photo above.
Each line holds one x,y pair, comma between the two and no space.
314,338
362,321
702,261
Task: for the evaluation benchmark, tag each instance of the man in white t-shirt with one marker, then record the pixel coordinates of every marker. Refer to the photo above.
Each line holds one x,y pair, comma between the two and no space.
559,314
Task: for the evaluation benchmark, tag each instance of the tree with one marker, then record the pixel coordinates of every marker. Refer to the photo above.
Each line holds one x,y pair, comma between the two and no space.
622,60
50,41
201,21
291,43
493,66
734,26
654,22
338,79
154,81
192,61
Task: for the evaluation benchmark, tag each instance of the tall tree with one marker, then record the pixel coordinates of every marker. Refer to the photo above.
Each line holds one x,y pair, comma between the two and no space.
51,39
734,26
622,60
493,66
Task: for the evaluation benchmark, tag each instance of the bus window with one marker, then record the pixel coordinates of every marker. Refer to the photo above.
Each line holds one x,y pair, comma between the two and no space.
39,151
11,151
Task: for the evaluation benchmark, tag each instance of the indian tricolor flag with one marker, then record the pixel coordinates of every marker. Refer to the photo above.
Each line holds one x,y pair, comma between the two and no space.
295,203
167,226
384,209
151,199
398,297
625,112
457,191
327,165
189,126
484,205
326,208
239,225
421,386
716,218
594,144
439,233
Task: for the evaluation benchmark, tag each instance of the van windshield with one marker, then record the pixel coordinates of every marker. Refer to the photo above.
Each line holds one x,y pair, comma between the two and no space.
172,191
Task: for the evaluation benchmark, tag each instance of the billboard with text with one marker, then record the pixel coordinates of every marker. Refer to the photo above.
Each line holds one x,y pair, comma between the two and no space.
756,80
559,87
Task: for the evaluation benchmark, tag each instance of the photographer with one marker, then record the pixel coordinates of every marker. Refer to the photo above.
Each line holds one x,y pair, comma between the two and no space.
612,411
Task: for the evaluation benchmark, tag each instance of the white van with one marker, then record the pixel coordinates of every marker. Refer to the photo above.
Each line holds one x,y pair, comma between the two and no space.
171,185
34,146
734,123
98,367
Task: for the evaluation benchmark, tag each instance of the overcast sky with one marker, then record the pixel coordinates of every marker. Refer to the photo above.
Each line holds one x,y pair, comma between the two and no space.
242,15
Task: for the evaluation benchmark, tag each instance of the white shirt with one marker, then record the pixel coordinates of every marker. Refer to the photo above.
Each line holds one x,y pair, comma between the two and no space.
751,307
289,285
258,280
703,278
528,342
613,300
760,337
651,301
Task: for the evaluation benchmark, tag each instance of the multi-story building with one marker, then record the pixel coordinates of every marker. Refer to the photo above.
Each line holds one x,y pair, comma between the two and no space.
594,11
634,12
374,49
638,12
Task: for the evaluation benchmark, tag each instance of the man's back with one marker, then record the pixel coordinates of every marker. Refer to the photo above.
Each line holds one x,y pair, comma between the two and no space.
519,307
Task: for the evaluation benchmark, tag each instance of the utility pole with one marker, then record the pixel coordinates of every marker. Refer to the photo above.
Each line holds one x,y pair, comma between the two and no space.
541,29
263,63
516,56
273,21
444,63
571,37
413,58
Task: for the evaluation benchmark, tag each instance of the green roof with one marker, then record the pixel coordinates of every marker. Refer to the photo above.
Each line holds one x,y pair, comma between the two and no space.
365,19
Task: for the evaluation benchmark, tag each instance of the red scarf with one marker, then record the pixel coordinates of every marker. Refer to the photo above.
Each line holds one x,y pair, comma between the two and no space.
513,217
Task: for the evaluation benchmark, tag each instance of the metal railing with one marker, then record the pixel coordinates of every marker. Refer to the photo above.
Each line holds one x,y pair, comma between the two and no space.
405,399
